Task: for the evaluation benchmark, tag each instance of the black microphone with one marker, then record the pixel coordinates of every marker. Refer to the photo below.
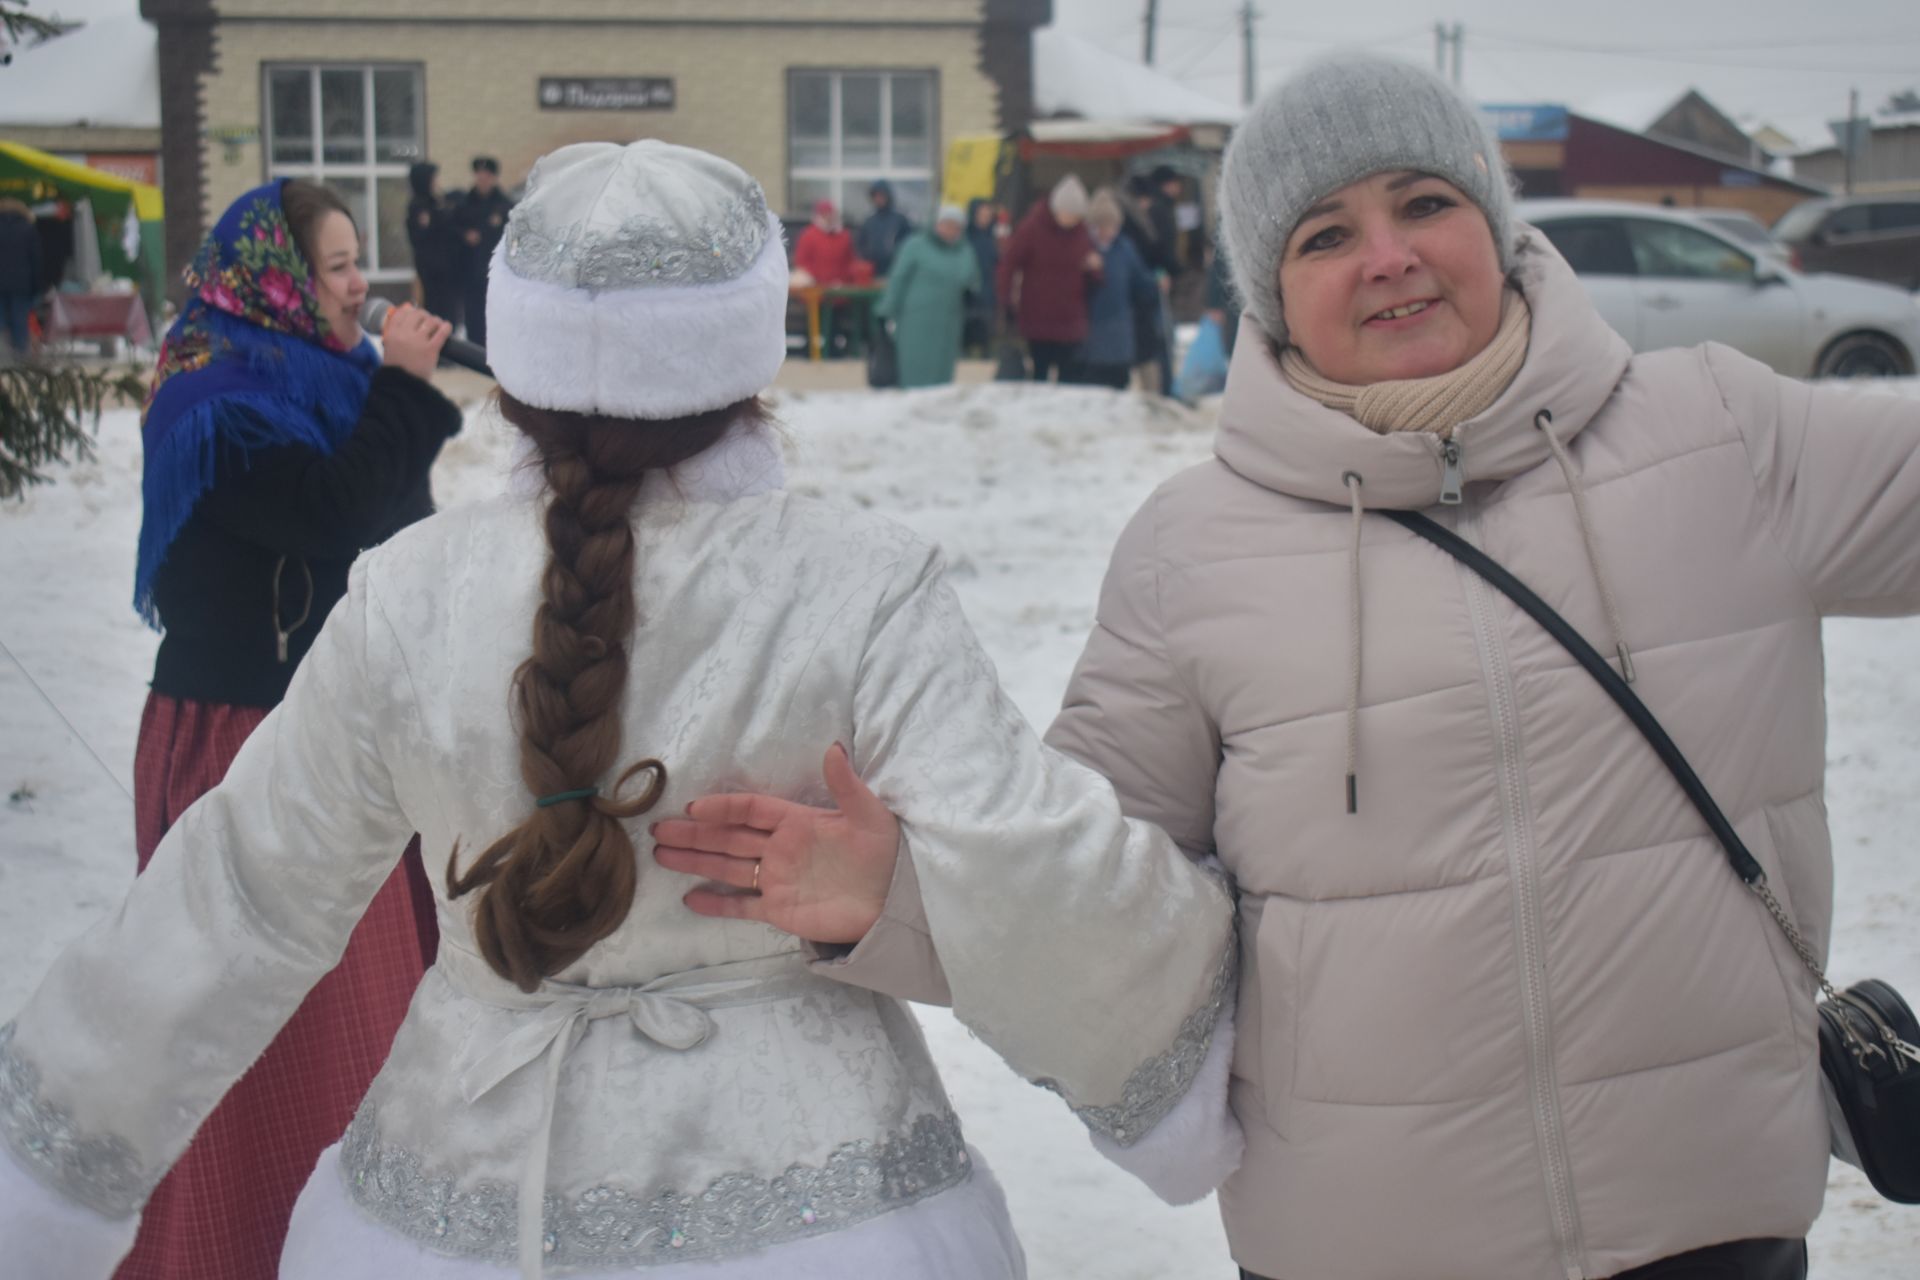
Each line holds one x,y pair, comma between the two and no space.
468,355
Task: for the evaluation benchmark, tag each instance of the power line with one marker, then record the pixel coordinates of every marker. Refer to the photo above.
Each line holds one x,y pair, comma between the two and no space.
1649,54
1582,46
1220,37
61,715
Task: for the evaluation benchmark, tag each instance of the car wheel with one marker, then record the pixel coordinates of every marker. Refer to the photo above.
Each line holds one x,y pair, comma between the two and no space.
1862,355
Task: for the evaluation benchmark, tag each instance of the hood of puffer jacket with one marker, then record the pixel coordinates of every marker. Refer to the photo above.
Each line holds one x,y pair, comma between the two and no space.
1284,441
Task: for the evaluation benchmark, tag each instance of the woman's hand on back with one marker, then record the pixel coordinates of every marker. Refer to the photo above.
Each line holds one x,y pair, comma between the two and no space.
411,340
822,874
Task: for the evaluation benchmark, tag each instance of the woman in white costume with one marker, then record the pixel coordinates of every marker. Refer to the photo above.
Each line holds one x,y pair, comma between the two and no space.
592,1077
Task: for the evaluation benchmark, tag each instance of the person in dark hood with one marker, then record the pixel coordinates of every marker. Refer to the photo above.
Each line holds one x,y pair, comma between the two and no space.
1142,228
481,216
880,235
983,217
436,244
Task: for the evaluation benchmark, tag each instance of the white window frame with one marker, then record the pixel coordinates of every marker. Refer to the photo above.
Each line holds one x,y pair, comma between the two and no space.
369,170
837,173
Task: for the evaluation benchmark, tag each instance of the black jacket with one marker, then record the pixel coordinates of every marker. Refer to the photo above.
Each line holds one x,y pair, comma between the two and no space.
438,250
19,256
486,214
295,514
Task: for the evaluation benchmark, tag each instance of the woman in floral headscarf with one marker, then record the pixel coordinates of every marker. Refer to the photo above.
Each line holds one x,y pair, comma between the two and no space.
279,443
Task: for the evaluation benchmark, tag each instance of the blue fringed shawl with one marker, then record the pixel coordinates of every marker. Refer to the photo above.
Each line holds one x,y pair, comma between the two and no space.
247,366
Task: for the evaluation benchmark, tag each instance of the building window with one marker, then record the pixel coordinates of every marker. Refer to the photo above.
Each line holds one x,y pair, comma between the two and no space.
846,129
355,129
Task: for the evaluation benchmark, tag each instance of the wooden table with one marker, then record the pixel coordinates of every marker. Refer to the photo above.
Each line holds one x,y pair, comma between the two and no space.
817,298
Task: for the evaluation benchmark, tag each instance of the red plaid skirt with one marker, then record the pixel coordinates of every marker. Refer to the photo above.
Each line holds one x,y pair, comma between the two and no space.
221,1214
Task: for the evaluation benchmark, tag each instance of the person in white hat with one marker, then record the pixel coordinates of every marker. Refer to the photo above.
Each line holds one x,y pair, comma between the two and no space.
616,1065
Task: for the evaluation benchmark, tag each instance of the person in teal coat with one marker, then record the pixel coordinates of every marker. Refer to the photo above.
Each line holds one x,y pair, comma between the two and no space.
926,299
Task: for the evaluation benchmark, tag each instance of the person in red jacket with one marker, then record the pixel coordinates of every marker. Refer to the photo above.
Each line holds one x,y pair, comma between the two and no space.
1048,270
825,249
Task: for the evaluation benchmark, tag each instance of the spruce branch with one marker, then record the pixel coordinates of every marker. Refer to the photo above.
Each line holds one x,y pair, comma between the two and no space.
24,30
48,414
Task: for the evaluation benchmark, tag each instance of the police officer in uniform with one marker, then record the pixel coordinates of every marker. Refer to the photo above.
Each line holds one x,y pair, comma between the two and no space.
481,216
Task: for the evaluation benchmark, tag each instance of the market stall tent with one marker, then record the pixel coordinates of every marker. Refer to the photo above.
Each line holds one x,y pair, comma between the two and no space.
32,175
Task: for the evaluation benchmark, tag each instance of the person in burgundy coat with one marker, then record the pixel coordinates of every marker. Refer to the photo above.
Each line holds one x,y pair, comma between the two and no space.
1049,268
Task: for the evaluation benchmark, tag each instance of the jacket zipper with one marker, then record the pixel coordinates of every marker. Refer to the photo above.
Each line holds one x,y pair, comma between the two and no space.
1529,928
1450,477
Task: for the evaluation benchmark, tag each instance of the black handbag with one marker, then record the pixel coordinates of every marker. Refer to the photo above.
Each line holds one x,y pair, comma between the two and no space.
883,359
1868,1033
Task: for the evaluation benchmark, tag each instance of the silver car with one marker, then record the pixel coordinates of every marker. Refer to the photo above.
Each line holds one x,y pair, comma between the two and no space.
1664,278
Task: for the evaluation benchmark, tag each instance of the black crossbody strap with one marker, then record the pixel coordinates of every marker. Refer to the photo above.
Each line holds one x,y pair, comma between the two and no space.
1744,863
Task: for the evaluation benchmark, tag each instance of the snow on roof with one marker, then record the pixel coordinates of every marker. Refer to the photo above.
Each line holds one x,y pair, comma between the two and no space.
104,73
1073,76
1631,109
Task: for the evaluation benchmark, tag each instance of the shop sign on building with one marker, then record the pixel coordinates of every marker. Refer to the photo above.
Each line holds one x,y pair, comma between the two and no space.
1527,122
602,93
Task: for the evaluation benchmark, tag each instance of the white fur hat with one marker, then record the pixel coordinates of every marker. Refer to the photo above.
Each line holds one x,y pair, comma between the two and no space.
642,281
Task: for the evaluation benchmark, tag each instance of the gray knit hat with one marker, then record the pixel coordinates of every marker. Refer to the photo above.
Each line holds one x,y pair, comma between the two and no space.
1336,121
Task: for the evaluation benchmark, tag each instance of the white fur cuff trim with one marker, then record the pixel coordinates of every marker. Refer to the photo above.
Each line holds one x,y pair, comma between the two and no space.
660,351
1197,1145
49,1237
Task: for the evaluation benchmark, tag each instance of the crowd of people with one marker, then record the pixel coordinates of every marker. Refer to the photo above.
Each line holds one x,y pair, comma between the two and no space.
1503,1011
1080,285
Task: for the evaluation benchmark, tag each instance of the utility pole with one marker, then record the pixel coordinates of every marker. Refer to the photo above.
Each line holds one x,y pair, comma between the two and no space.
1445,37
1247,15
1853,133
1153,16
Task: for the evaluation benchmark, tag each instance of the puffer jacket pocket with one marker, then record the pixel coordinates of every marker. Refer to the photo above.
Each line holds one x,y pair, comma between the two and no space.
1408,998
1271,935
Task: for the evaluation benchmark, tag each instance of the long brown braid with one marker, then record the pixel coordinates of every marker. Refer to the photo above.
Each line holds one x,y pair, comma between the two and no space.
564,878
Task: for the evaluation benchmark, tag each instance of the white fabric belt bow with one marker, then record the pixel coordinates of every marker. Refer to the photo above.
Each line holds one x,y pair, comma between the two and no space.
671,1011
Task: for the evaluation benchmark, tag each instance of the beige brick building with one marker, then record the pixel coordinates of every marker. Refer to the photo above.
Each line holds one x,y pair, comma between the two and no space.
813,97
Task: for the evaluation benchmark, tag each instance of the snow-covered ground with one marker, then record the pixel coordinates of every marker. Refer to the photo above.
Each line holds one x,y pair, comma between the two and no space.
1026,487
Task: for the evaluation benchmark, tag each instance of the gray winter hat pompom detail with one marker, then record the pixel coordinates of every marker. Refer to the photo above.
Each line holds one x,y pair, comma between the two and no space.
1334,122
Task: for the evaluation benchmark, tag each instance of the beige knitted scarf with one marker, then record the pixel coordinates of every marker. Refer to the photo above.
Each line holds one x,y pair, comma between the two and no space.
1437,404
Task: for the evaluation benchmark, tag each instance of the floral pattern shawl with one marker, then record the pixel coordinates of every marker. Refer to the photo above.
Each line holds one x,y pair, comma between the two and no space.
251,363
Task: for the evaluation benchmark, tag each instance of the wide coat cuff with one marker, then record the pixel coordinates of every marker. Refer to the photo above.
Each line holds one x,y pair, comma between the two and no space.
1198,1144
897,957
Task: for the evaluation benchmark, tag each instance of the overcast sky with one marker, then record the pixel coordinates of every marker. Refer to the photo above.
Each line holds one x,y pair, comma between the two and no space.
1788,62
1785,62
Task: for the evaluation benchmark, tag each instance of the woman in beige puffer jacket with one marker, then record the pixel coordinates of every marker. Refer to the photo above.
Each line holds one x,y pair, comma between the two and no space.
1505,1010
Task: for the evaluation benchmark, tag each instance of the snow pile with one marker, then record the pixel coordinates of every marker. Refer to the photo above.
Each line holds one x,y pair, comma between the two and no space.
1073,76
1026,487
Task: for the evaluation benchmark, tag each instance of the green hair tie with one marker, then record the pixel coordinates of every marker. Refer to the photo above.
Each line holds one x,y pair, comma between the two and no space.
561,797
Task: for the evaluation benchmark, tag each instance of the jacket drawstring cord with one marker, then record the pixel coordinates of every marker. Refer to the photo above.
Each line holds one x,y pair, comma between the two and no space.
1352,481
1544,421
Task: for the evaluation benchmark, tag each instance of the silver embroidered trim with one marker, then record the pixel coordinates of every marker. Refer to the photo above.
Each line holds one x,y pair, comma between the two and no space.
102,1173
1158,1084
641,251
608,1226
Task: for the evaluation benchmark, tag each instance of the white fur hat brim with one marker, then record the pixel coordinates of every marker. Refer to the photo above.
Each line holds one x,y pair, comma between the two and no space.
662,351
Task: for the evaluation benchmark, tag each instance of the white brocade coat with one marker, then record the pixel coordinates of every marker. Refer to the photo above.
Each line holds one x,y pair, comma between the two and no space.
692,1089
